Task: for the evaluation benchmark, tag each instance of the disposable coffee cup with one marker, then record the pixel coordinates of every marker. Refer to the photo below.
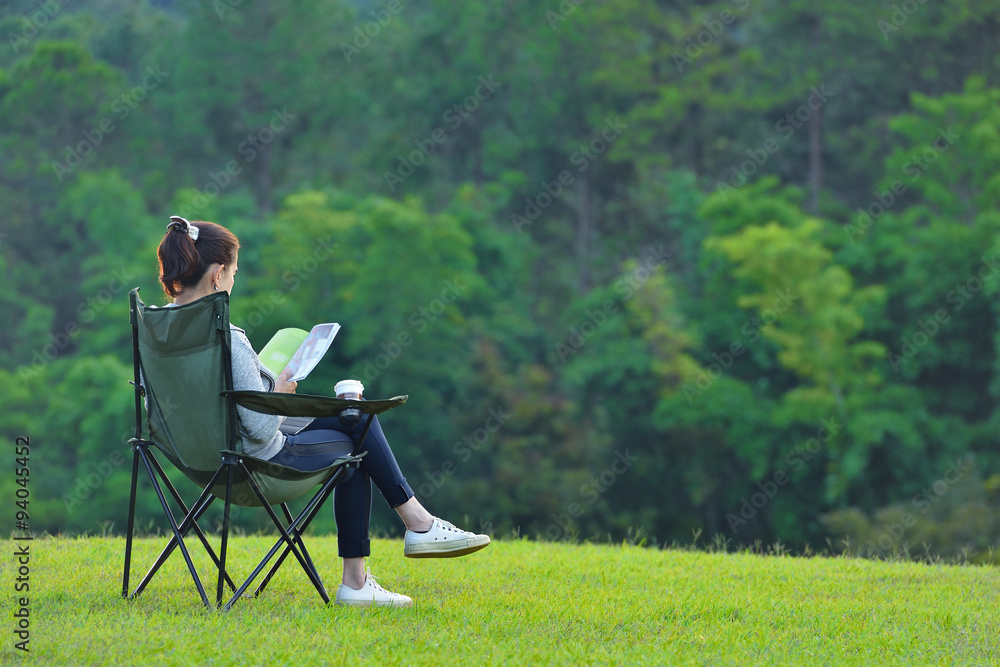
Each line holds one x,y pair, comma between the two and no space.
349,389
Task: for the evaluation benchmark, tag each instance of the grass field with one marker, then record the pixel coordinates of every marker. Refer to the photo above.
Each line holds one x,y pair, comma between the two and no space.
517,602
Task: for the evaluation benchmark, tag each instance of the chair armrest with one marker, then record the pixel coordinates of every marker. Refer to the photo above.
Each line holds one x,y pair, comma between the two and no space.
307,405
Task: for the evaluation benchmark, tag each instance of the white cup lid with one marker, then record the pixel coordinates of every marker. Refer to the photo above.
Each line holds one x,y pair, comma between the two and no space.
349,387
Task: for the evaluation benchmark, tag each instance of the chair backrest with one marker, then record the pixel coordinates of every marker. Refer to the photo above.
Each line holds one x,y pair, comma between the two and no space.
184,354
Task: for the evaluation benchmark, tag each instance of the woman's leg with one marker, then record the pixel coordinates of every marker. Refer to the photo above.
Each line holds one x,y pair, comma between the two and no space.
426,537
381,467
315,450
352,500
352,506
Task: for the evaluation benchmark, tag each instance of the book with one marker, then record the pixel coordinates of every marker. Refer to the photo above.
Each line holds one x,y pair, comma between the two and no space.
297,349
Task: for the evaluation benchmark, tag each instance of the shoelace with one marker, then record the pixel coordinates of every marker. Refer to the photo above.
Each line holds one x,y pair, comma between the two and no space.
452,527
374,582
449,526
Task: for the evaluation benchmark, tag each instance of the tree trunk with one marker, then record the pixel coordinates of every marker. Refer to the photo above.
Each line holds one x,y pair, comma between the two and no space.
697,143
815,158
263,182
816,129
477,164
583,233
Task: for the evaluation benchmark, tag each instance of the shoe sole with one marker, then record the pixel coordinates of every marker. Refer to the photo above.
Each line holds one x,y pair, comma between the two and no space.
435,551
369,603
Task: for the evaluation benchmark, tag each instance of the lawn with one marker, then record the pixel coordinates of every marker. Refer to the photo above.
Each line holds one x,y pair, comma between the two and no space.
517,602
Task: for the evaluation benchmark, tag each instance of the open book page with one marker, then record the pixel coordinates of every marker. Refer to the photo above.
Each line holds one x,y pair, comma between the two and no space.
298,350
312,350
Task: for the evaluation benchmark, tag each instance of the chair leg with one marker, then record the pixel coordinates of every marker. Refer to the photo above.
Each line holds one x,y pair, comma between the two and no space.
310,572
197,510
131,522
296,536
168,550
225,534
285,538
304,518
281,558
176,531
364,434
197,529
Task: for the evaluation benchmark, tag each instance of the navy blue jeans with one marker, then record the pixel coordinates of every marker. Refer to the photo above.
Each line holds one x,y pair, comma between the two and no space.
352,498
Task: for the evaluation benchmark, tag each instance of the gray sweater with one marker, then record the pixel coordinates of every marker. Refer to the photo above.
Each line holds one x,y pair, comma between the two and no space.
259,432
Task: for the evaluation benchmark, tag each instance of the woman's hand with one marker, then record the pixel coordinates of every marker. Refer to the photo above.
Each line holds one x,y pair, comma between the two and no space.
282,385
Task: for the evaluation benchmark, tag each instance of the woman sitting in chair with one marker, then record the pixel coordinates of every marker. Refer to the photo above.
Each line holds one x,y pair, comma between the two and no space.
199,259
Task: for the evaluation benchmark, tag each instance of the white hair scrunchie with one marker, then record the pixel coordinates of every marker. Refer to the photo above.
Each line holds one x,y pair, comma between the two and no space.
177,222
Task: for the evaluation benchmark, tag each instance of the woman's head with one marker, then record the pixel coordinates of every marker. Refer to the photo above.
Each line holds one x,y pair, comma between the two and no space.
190,249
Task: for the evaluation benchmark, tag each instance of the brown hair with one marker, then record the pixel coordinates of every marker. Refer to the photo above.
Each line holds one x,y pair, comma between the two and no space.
184,261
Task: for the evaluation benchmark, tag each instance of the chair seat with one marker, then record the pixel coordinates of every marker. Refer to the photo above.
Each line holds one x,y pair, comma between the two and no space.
279,483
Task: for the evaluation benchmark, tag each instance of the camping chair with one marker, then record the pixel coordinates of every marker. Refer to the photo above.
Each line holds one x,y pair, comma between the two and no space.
184,356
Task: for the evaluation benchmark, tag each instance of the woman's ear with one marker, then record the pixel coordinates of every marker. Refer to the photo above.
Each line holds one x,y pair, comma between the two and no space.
217,278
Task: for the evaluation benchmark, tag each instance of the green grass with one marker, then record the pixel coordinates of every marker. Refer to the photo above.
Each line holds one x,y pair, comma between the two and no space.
517,602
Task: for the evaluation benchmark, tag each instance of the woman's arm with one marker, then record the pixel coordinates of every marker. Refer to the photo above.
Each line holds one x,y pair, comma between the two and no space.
260,430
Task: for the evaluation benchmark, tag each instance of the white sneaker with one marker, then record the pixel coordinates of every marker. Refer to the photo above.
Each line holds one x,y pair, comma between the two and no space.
443,540
370,595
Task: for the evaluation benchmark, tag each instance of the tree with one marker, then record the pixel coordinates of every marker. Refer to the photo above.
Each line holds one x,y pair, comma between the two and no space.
810,308
250,77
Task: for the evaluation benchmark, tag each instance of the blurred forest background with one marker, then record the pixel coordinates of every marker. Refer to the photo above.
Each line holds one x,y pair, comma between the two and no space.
648,269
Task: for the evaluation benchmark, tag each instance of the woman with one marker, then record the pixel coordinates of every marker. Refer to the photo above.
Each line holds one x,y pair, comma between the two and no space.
200,259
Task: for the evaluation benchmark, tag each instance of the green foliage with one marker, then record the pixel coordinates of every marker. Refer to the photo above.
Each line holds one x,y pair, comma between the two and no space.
585,221
954,517
809,307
